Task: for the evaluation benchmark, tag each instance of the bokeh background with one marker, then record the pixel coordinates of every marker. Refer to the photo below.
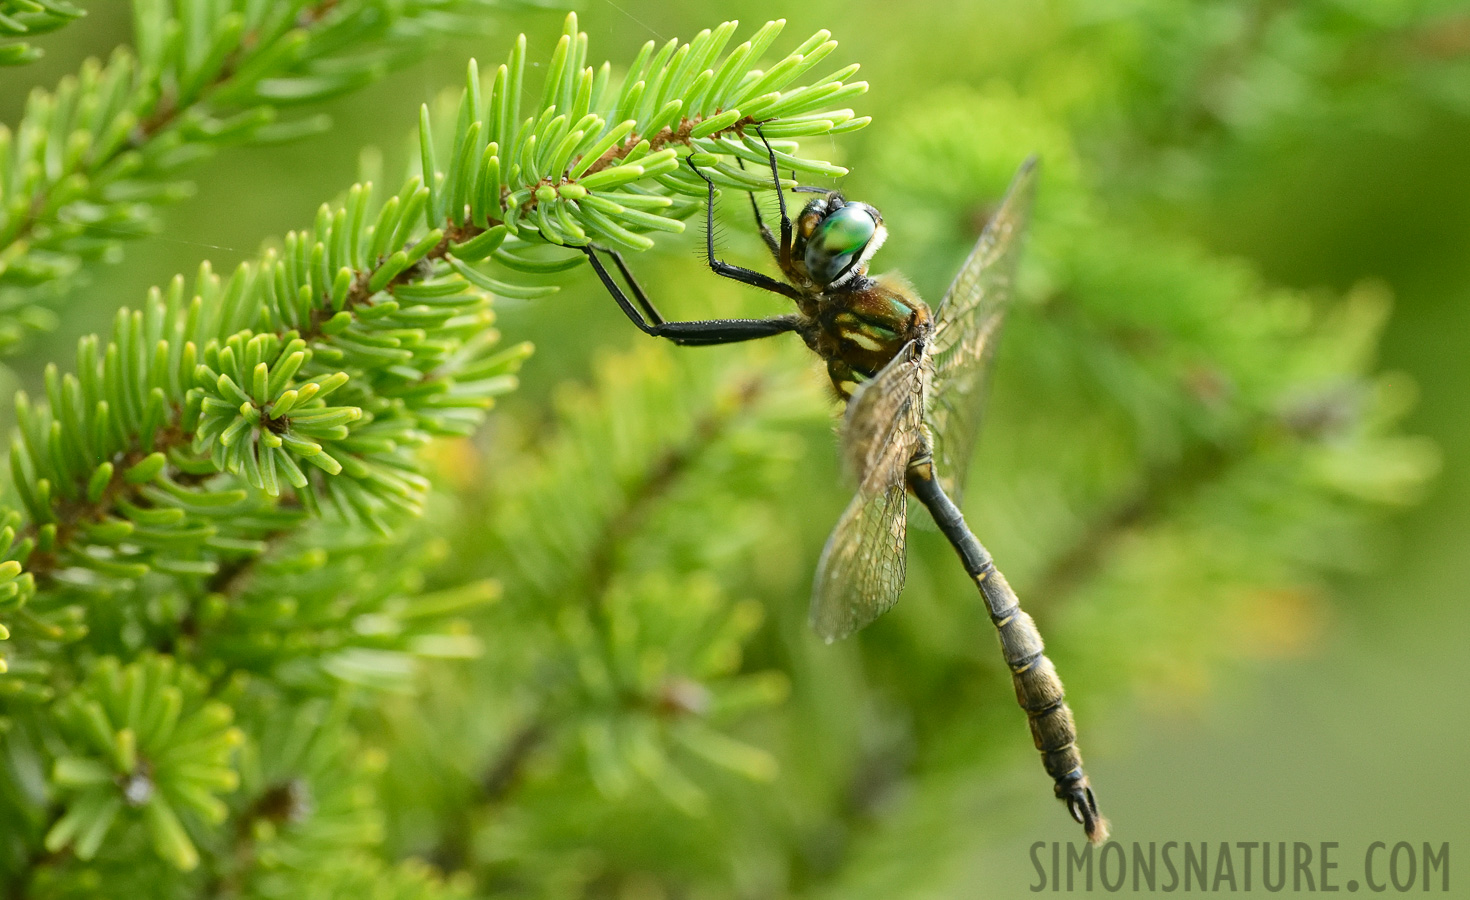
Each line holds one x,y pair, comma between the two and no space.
1329,167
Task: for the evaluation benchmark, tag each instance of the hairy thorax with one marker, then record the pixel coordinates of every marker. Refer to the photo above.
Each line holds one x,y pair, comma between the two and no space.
862,326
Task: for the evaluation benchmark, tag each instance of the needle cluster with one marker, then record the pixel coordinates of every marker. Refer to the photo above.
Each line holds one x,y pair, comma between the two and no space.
213,559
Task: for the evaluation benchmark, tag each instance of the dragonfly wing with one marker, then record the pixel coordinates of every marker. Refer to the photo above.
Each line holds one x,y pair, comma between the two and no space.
861,572
882,425
967,324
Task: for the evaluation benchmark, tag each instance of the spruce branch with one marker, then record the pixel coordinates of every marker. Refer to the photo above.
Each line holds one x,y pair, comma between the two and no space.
90,162
630,679
384,315
235,381
146,740
598,164
343,606
301,796
1162,485
226,476
30,18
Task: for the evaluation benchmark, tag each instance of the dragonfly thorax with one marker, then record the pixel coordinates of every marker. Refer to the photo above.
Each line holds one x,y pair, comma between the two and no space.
864,325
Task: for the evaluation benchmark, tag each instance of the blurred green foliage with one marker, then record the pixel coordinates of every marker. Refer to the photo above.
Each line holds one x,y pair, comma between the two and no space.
567,656
29,18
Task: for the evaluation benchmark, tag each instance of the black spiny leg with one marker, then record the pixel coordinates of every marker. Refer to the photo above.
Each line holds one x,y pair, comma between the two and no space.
740,273
760,223
725,331
783,255
693,334
653,316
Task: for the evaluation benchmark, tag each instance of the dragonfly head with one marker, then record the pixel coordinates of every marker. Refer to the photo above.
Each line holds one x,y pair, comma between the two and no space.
836,238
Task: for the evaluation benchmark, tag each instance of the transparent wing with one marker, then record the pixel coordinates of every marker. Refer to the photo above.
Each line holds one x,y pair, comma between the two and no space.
862,569
967,324
861,572
881,427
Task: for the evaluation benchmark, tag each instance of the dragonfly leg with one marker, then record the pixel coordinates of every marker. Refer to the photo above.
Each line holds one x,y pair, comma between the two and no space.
692,334
784,251
725,331
760,223
618,294
653,315
1038,689
738,273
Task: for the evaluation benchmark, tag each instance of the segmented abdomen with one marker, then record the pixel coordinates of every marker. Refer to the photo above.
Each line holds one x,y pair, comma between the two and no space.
1038,688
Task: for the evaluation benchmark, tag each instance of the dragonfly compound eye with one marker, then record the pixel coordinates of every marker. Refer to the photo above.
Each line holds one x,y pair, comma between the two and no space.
838,241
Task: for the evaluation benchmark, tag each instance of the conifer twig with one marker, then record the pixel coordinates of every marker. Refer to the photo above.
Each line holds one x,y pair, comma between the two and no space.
224,416
90,162
28,19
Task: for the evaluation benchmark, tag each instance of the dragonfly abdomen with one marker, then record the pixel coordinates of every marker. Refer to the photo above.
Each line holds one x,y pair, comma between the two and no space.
1039,690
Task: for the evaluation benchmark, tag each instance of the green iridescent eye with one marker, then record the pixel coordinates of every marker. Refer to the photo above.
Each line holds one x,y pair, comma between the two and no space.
845,231
840,237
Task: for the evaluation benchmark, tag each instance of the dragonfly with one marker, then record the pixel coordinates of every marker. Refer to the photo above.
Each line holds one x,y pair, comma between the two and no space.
914,383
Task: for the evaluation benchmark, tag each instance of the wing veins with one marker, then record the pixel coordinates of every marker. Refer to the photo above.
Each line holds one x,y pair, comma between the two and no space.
967,324
862,569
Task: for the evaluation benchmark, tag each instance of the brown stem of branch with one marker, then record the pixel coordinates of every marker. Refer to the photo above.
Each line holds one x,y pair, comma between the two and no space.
660,478
72,515
164,113
1163,486
503,775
